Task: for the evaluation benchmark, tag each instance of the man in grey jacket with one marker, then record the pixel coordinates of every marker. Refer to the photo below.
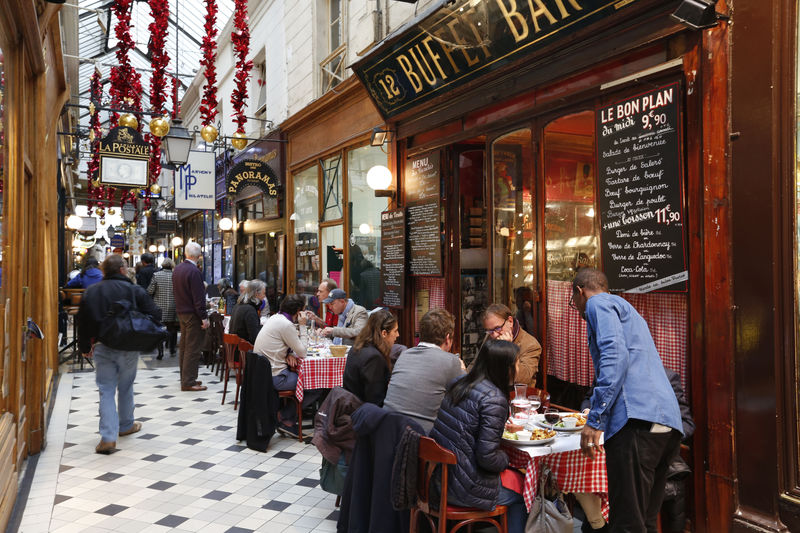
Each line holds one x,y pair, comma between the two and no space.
352,318
421,374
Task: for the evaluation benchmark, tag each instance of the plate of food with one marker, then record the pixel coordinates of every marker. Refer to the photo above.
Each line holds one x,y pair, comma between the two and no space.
567,422
529,438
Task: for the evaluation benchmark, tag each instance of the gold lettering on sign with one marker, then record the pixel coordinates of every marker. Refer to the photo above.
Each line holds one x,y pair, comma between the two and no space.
457,38
536,13
563,10
427,72
514,19
447,49
476,34
413,77
435,57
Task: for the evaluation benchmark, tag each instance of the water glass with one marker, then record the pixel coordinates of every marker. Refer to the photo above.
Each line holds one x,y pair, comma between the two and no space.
520,390
536,403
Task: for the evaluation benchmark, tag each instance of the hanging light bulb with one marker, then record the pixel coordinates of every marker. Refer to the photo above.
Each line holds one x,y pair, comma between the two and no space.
225,224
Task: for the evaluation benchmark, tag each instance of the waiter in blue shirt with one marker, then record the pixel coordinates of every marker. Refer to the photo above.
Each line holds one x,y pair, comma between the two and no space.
632,403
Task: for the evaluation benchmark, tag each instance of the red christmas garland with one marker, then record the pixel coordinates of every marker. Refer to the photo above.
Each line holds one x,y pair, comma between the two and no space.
208,105
241,44
159,10
126,83
95,95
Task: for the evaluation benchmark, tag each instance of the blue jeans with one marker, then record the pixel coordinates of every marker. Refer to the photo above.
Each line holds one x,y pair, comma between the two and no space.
517,513
115,370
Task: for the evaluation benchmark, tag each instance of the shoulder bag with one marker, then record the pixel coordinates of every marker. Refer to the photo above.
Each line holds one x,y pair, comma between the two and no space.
126,328
549,512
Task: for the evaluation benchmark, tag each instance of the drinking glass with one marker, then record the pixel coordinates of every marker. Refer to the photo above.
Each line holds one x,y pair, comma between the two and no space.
551,416
536,403
520,390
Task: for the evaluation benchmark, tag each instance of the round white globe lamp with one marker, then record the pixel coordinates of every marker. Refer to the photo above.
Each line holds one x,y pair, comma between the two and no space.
177,241
379,178
74,222
225,224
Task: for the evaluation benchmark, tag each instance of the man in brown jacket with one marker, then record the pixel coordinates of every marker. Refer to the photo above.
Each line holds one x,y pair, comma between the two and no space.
499,323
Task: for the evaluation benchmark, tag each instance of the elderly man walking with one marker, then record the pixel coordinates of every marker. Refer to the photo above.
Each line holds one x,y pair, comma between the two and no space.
190,305
115,368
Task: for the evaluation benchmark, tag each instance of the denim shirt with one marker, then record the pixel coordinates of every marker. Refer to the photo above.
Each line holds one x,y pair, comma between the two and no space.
631,381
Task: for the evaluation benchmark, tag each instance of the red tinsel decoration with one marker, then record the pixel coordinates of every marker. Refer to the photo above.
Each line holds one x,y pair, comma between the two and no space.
241,45
159,10
95,95
126,83
208,106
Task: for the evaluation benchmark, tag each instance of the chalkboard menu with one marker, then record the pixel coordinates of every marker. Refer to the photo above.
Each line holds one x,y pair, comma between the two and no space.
393,256
424,243
641,192
422,177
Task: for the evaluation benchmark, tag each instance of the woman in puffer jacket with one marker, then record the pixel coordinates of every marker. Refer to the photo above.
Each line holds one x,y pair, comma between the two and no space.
470,424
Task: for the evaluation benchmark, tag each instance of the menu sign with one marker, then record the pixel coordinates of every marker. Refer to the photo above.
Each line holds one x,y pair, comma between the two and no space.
422,177
641,192
393,256
424,243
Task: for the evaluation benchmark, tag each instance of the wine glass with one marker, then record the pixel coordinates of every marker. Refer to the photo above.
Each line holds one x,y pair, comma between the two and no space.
536,403
551,416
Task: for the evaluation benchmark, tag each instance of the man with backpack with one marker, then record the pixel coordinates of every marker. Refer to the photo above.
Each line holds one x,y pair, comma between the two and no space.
116,357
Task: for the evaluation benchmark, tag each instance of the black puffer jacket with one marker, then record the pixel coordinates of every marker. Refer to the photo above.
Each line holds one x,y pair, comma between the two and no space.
472,430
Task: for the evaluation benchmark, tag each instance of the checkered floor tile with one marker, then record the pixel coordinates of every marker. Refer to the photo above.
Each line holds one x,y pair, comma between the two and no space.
184,471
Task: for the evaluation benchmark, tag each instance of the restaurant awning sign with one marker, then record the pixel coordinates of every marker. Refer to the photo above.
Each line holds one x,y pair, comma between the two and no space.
194,182
253,172
464,39
124,158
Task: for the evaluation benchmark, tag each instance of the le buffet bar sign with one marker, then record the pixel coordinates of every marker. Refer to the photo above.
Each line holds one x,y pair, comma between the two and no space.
464,39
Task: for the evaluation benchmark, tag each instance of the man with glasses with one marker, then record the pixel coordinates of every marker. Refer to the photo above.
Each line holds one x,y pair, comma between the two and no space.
633,405
500,324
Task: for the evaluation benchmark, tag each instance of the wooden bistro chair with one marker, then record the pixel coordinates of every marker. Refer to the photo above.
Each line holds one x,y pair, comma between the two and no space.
230,343
244,347
431,456
290,396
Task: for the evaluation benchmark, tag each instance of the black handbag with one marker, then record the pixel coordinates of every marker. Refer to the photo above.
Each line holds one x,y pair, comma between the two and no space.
126,328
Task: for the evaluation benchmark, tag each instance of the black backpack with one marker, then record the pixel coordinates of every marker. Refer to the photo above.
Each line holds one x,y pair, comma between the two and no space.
126,328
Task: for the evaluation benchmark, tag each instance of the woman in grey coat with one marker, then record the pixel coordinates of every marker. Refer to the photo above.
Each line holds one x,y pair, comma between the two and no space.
160,289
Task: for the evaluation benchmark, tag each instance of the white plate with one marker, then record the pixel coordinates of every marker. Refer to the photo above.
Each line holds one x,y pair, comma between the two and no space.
540,421
530,442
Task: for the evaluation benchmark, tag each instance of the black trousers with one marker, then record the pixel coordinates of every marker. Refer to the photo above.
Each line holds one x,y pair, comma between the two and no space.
636,463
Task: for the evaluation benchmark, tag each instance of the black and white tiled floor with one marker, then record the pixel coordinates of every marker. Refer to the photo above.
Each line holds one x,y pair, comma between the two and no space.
184,471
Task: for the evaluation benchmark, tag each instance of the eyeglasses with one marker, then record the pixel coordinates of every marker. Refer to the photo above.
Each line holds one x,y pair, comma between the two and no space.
498,329
571,303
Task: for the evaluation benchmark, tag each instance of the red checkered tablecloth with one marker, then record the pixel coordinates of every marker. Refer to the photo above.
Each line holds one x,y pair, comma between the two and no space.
568,356
573,472
319,373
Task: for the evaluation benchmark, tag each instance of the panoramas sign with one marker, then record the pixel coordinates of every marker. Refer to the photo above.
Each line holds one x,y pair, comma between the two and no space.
194,182
465,39
641,192
253,172
393,256
124,158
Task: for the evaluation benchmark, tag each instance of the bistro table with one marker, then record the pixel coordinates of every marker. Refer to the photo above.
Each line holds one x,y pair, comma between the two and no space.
319,372
573,471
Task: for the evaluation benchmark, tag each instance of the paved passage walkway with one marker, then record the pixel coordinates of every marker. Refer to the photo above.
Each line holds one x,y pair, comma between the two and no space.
184,471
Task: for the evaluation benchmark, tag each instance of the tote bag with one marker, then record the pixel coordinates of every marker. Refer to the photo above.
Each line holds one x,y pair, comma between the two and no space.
549,512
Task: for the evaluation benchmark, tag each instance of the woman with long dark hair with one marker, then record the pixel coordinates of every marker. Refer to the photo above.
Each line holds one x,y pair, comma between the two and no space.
470,424
369,366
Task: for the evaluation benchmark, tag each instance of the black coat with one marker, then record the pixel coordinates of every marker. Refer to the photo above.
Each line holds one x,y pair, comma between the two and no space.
366,374
473,430
259,404
97,300
144,276
245,322
366,501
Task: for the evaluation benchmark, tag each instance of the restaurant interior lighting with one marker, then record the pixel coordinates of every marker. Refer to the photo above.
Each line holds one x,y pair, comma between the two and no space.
177,241
177,144
74,222
162,248
153,248
380,137
698,14
225,224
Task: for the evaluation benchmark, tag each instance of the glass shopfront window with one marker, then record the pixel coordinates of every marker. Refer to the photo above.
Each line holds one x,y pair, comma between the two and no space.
332,188
365,226
513,235
306,231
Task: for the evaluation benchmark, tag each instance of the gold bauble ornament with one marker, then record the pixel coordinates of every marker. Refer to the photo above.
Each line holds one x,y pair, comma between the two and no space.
91,135
101,213
159,127
146,213
209,133
172,191
133,225
155,188
91,108
128,120
239,140
95,183
112,211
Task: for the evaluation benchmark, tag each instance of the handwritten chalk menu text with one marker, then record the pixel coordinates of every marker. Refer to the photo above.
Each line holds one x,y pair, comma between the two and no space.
393,256
641,192
424,241
422,177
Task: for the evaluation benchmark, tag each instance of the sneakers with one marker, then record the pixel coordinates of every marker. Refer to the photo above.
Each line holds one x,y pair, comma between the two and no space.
134,428
107,448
